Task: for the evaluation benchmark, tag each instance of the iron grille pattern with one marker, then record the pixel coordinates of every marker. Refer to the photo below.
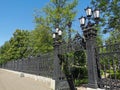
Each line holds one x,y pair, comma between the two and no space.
108,61
41,65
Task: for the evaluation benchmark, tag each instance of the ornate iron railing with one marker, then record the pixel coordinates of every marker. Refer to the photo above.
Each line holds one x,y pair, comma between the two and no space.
41,65
108,66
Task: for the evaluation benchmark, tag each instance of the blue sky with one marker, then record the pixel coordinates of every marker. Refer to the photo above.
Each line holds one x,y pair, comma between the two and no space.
19,14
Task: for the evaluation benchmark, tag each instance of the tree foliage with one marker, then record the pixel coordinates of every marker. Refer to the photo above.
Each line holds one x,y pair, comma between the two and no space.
31,43
4,52
110,10
58,13
41,39
16,47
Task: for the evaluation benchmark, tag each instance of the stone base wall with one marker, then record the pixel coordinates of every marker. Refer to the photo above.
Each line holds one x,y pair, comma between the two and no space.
83,88
47,82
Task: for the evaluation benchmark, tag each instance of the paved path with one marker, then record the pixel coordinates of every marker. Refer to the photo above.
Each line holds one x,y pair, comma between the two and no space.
11,81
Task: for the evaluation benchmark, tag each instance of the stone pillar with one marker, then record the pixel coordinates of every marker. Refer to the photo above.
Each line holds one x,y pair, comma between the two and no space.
90,36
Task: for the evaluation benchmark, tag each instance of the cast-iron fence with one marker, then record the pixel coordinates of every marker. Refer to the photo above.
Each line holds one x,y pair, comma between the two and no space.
40,65
108,62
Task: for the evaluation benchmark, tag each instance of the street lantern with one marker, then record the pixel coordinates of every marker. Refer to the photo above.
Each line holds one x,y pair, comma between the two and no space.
90,15
57,29
54,35
82,21
96,14
59,32
88,11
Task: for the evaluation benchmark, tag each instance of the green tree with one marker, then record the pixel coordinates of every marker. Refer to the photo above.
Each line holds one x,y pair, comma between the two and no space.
58,13
110,16
41,39
114,37
19,44
4,52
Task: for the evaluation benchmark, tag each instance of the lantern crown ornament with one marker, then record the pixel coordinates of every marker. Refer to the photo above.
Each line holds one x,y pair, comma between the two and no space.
91,18
57,33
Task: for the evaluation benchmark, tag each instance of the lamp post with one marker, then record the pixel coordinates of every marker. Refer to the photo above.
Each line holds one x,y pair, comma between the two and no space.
57,36
90,34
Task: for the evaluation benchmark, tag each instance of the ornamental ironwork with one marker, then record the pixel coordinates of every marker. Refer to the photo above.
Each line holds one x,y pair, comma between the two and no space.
108,61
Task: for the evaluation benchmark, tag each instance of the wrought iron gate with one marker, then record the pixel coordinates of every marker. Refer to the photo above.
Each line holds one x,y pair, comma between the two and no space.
71,55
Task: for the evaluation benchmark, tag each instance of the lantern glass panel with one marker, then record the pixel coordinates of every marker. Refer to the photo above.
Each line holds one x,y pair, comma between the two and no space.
59,32
82,20
96,14
88,11
57,29
54,36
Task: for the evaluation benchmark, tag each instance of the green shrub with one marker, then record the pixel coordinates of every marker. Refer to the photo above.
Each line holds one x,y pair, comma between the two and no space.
112,74
79,82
